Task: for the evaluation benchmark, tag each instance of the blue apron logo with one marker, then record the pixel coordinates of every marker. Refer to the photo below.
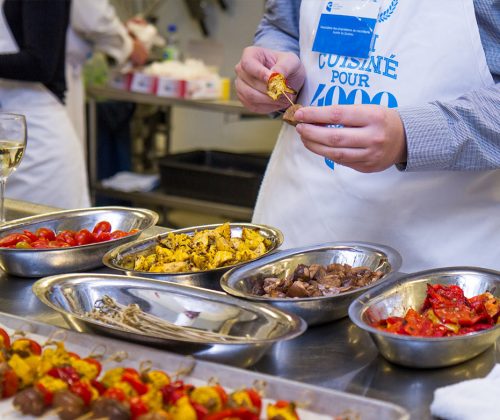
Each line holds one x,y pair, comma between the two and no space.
387,13
329,6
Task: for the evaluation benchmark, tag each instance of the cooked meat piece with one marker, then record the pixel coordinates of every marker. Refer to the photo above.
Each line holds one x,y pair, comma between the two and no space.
110,409
297,290
69,406
289,115
30,401
316,280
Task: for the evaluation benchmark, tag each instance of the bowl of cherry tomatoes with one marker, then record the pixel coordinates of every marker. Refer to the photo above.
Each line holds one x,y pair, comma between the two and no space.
68,241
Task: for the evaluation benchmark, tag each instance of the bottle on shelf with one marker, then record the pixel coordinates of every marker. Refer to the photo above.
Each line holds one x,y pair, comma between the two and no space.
172,50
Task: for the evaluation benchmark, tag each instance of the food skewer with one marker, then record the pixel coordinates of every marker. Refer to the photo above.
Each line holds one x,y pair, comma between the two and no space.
71,387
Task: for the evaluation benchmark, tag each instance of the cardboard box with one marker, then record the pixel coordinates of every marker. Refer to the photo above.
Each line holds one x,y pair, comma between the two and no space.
143,83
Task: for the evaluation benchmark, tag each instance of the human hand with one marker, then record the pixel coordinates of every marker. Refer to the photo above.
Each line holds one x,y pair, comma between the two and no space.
253,71
139,54
371,140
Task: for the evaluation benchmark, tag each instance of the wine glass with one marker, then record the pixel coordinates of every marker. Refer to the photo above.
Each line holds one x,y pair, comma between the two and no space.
12,145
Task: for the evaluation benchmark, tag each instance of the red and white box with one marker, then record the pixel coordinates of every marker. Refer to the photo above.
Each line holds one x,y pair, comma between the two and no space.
170,88
120,80
143,83
209,88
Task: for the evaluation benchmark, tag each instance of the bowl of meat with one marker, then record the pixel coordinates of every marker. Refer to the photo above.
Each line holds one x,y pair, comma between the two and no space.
432,318
318,282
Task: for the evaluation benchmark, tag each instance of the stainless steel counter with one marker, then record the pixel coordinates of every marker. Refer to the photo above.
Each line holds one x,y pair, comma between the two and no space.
337,355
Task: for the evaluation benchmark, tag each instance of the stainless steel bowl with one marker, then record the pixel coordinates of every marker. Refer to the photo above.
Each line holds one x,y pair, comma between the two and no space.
251,328
396,298
315,310
208,279
45,262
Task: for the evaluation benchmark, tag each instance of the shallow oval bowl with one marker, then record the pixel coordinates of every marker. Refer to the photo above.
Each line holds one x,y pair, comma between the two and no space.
240,332
240,281
208,279
409,291
46,262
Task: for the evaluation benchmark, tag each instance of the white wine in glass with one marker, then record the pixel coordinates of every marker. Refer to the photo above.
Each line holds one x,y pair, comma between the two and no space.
12,144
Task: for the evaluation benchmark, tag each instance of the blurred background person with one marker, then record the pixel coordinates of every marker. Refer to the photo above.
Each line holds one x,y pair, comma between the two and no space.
95,27
32,82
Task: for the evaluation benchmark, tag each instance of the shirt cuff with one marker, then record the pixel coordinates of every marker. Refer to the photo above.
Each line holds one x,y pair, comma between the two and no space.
427,139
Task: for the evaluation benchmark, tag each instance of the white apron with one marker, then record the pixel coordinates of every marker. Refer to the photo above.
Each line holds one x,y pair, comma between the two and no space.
52,171
424,50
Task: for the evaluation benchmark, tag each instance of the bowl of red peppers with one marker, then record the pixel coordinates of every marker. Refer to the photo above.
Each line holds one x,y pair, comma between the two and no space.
69,240
432,318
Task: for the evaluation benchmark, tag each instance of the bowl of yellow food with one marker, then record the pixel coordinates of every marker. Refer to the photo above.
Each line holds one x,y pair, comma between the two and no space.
196,256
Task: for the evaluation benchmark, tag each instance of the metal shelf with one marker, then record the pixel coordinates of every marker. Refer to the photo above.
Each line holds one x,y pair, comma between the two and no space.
225,106
159,198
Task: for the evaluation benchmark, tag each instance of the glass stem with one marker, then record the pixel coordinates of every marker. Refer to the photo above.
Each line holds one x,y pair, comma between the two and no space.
2,199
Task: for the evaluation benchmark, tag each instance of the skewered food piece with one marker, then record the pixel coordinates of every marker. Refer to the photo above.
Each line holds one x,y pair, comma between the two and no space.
204,250
289,115
64,384
277,86
315,280
445,312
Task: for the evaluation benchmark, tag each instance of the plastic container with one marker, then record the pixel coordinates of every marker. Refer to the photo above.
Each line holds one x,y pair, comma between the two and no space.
172,50
217,176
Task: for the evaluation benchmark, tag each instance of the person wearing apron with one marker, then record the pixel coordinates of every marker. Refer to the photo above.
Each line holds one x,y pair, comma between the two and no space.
52,171
421,51
95,26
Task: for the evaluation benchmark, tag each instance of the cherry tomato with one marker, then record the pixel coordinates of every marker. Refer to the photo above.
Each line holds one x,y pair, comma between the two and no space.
103,226
101,389
10,383
58,244
102,236
115,394
12,239
41,243
200,410
67,374
134,380
4,339
84,237
255,398
67,236
240,413
118,234
48,396
83,391
222,394
137,407
173,391
46,233
30,235
23,245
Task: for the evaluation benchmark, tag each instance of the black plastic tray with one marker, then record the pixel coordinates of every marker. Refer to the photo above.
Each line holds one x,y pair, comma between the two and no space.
225,177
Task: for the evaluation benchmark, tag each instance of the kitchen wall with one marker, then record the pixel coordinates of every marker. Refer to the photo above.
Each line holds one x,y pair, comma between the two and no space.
233,30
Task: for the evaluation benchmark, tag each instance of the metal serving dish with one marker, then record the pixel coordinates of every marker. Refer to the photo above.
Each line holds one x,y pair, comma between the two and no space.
396,298
208,279
314,402
241,332
44,262
314,310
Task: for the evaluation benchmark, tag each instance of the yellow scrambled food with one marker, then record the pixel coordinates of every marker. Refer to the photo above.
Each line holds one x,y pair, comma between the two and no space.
204,250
